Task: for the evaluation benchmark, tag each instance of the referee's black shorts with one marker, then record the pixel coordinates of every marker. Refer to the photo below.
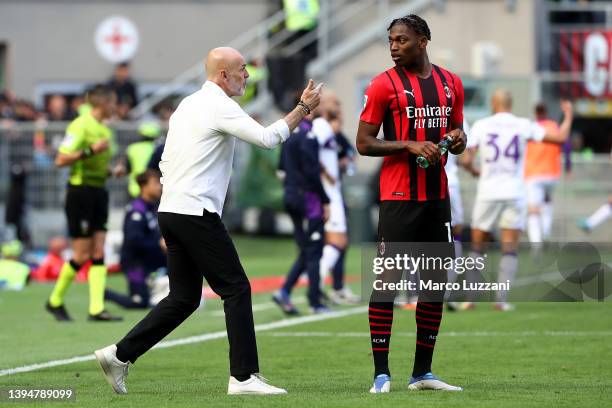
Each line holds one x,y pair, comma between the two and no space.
86,210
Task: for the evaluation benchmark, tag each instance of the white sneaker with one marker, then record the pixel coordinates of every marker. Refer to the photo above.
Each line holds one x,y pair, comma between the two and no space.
257,384
430,382
114,370
344,296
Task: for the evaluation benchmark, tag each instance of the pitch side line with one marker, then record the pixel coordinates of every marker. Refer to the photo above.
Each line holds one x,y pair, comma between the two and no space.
195,339
263,306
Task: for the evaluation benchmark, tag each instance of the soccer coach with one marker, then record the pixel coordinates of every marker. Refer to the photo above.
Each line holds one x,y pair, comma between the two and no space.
196,166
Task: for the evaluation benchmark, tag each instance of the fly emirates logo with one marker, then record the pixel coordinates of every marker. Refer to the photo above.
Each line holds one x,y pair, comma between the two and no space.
429,116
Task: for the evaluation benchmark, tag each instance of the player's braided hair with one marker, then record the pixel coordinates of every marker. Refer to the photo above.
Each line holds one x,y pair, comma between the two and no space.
415,22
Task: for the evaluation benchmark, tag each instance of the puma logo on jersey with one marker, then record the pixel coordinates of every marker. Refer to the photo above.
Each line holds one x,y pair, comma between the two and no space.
409,92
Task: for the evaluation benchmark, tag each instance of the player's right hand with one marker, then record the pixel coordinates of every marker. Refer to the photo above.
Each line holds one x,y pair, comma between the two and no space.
100,146
427,149
312,95
566,107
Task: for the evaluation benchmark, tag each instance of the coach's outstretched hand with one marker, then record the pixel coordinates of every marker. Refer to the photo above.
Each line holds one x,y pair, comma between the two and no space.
310,100
312,95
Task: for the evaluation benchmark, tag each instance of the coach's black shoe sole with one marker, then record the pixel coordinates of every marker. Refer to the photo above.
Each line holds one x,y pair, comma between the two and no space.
59,312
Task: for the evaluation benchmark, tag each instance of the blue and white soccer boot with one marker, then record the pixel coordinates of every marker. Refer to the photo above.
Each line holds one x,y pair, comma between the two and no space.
382,383
430,382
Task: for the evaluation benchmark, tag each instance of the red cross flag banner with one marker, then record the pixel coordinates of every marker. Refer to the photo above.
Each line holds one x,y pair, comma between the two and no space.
587,55
116,39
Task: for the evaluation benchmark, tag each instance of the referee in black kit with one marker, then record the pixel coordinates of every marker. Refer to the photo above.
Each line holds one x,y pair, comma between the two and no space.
196,165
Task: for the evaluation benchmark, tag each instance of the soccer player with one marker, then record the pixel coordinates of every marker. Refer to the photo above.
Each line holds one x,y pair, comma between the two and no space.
196,167
417,103
454,191
143,249
542,172
87,148
312,171
342,294
336,238
500,198
308,206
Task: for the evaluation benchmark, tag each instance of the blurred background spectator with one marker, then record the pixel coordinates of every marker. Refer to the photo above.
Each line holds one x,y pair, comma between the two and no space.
124,86
57,108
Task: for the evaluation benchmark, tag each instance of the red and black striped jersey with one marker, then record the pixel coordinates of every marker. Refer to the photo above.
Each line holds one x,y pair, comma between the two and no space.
418,109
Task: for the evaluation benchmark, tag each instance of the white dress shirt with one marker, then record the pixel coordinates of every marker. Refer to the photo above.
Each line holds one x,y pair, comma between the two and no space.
199,151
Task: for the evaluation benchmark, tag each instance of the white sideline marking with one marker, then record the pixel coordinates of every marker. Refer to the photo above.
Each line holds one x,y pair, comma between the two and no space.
262,306
447,334
194,339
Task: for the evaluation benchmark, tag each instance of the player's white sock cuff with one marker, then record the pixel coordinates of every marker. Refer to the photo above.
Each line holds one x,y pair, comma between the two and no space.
508,266
331,254
534,228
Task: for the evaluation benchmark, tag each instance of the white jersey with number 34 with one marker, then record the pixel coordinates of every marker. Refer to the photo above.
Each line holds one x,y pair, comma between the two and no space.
501,140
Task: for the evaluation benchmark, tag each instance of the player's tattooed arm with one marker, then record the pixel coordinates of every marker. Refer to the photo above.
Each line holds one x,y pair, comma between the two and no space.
369,145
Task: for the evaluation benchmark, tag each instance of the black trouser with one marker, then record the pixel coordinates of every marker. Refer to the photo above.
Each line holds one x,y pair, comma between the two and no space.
199,246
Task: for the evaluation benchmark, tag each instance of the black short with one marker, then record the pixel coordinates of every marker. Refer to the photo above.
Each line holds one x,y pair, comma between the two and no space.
86,210
415,221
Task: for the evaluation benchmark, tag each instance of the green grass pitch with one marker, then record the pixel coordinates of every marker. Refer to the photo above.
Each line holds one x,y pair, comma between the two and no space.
541,355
